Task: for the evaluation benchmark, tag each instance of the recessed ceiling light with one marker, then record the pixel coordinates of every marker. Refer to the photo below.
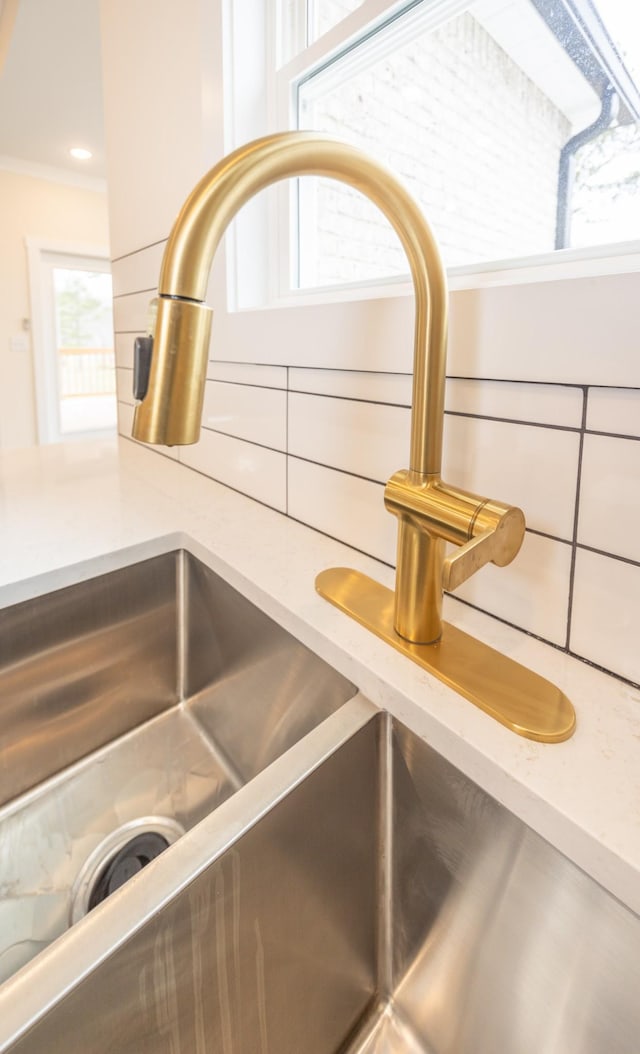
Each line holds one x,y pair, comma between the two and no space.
80,153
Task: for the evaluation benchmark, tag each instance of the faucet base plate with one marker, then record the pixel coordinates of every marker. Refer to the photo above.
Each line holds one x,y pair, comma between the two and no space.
517,697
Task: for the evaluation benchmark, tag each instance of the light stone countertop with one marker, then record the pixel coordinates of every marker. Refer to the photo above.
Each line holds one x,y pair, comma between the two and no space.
72,511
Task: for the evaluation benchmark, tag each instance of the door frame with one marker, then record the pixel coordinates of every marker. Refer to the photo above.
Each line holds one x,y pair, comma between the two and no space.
44,375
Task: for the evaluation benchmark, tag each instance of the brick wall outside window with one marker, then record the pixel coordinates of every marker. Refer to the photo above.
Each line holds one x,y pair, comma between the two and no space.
474,139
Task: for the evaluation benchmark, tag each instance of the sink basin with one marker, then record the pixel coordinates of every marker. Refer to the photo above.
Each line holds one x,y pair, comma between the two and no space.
360,896
132,704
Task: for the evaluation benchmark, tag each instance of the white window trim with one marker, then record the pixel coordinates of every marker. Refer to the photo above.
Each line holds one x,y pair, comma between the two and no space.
268,220
619,258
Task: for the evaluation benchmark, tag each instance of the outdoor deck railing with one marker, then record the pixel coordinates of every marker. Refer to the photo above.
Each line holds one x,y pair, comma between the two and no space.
86,371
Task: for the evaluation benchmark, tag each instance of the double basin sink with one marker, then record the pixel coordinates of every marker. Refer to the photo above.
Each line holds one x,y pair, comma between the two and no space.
210,842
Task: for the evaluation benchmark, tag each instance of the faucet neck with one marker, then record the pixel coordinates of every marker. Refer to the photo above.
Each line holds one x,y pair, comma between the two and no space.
222,192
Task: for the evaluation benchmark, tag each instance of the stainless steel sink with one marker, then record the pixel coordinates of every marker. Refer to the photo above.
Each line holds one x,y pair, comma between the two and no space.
358,896
131,706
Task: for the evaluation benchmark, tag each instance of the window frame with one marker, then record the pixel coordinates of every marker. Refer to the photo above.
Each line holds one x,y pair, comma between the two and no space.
262,52
284,75
578,331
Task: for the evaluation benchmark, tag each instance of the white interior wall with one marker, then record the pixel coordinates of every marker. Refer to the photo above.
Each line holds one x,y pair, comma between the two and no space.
45,211
163,112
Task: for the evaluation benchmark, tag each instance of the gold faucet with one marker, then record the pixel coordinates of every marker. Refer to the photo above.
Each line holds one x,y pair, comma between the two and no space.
430,512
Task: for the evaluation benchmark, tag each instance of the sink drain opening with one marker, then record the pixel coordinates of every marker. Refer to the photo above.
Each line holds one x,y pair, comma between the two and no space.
120,856
137,853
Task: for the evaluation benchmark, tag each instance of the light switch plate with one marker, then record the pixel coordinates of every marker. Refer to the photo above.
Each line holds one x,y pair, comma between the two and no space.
19,342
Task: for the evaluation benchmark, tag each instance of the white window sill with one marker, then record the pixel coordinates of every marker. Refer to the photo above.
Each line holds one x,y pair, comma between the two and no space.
618,258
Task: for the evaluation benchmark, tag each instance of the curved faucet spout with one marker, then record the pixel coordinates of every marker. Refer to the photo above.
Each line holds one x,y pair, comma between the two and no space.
429,512
171,411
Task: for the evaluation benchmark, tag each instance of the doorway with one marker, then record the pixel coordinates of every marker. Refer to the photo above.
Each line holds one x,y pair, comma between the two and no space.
74,358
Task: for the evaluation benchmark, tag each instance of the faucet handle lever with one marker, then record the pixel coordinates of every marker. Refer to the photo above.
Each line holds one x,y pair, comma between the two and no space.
500,534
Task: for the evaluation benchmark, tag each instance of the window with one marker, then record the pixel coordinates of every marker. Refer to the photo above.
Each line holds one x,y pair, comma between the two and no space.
515,123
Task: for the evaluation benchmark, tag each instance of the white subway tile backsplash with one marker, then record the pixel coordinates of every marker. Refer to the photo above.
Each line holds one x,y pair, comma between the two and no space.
124,386
535,468
131,313
248,373
123,346
609,516
392,388
606,614
614,410
252,469
364,438
258,415
532,592
125,423
540,331
549,404
349,509
138,270
125,419
497,459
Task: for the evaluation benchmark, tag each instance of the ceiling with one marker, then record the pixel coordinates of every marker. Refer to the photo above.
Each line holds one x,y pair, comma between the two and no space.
51,85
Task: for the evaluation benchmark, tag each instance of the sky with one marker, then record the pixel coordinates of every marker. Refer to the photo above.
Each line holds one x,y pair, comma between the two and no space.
622,19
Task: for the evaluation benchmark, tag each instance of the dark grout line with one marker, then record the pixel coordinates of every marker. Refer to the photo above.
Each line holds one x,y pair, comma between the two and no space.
247,384
506,622
408,373
448,413
513,421
392,405
142,249
612,435
609,556
147,446
375,402
236,490
543,640
334,468
350,369
134,292
241,439
550,537
340,541
199,472
602,669
350,399
514,380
